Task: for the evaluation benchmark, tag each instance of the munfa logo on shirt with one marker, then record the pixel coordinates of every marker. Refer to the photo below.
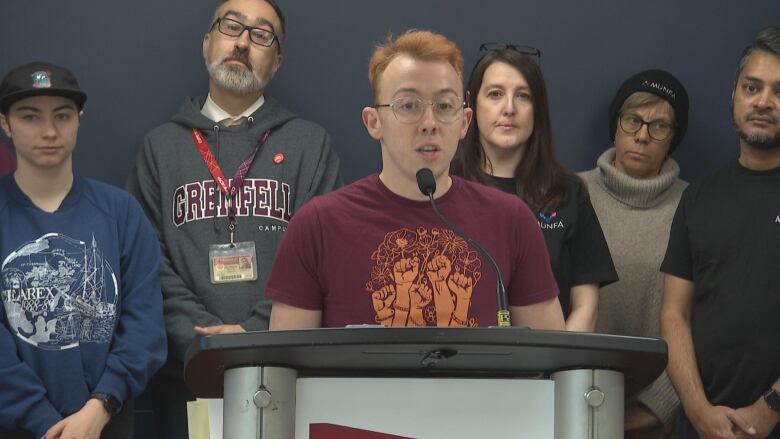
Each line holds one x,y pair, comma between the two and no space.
550,221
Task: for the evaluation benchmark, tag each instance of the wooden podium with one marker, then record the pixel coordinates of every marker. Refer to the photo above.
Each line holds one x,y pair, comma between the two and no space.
260,375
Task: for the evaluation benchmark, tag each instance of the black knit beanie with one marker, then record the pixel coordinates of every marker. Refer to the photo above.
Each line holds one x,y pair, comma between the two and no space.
662,84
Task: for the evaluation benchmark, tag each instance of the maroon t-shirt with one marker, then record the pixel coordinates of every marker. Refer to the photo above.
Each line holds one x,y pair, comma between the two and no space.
363,254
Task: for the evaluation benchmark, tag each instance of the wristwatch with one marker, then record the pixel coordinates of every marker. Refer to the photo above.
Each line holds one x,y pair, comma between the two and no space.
110,403
772,398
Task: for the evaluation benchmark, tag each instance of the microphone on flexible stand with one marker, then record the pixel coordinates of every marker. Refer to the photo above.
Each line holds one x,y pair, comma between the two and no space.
427,184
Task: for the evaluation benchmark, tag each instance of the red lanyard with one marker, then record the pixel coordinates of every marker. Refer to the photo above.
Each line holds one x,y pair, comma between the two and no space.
216,172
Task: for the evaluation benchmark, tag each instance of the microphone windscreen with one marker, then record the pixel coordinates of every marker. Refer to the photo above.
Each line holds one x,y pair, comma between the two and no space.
426,182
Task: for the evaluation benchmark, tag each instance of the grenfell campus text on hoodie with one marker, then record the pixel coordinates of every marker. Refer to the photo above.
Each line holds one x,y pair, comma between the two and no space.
180,196
82,307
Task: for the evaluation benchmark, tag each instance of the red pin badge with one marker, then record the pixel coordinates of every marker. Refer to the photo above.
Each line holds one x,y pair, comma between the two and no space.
278,158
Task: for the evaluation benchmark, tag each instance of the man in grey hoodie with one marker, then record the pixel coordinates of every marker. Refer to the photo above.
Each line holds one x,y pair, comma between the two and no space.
219,234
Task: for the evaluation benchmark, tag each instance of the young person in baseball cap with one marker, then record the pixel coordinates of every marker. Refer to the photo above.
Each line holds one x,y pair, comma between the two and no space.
81,327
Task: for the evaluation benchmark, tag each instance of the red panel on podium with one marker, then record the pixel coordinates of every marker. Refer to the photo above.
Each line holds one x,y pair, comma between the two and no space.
333,431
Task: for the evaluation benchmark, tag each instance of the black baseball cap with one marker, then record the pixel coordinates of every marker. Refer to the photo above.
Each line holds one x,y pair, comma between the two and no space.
39,79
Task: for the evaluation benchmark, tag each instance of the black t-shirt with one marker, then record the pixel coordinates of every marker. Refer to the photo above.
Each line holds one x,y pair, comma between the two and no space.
725,237
578,250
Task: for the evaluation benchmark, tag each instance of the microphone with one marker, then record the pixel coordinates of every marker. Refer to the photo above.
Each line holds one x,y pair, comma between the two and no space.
427,184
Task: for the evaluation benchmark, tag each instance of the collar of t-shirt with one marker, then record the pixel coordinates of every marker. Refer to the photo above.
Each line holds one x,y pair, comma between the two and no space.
214,112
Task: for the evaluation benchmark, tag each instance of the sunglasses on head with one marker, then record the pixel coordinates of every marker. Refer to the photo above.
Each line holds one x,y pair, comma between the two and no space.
525,50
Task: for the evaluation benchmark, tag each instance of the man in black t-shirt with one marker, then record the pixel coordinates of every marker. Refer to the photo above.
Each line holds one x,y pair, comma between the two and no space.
721,307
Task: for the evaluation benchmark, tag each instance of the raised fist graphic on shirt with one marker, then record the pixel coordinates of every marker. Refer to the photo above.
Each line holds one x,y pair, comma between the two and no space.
423,277
420,295
438,270
462,286
383,304
405,272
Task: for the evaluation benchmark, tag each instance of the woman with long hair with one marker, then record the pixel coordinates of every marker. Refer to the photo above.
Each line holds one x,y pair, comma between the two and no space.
509,146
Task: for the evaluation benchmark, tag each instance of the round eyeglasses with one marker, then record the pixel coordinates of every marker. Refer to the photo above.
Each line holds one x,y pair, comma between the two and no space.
257,35
410,109
657,129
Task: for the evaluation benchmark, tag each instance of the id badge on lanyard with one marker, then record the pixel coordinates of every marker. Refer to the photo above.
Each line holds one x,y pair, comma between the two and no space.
234,261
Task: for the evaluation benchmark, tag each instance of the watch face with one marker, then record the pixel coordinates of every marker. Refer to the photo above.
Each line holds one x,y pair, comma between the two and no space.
772,398
110,403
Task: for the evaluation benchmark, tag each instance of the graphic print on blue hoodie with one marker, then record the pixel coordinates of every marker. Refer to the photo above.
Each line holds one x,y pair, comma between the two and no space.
59,292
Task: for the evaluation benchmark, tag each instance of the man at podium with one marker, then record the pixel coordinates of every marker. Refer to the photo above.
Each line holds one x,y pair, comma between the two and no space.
375,252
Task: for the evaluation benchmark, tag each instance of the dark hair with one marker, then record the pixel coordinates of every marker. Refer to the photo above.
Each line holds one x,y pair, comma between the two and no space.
541,180
768,39
276,9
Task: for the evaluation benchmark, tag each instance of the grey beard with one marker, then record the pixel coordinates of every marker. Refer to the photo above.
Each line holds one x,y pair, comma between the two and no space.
761,141
234,79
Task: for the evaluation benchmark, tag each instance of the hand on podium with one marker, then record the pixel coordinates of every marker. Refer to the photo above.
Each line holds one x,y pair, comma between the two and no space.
218,329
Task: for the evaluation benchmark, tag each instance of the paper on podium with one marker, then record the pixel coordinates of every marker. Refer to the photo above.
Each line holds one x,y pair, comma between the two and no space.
204,419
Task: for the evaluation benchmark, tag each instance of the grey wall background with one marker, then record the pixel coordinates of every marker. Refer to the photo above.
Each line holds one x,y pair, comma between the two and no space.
137,60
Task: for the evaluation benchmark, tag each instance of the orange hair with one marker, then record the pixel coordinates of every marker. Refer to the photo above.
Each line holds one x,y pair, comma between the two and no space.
421,45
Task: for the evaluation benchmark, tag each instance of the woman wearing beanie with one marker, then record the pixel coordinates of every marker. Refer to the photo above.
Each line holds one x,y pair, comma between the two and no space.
635,190
509,146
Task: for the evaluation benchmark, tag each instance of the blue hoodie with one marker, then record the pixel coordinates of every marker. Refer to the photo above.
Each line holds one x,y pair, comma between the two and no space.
82,306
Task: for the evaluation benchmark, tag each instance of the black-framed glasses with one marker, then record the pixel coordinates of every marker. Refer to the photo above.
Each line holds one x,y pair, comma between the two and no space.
658,130
525,50
410,109
257,35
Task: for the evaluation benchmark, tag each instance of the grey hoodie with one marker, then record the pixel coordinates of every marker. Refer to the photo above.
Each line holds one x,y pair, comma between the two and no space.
174,186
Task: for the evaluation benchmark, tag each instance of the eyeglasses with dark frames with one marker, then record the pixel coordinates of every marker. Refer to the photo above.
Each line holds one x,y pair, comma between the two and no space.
257,35
525,50
658,130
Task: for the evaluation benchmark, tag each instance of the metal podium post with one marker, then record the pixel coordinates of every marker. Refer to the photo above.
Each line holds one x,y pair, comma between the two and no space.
259,402
589,404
